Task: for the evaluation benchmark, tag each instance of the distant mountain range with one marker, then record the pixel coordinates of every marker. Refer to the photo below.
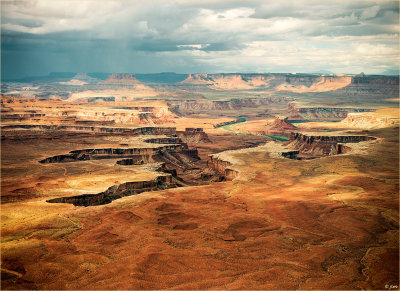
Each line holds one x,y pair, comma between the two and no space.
165,77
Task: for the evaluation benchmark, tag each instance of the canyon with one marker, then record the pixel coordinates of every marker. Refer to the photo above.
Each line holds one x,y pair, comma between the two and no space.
201,181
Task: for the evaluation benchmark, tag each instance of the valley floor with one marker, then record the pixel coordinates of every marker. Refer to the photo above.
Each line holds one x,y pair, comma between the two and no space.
327,223
317,208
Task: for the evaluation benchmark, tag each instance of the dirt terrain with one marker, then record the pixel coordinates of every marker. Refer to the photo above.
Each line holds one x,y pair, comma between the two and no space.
154,192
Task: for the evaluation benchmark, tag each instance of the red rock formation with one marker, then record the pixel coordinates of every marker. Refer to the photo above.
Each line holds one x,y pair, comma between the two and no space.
119,130
282,124
118,191
322,113
175,156
136,160
165,140
111,153
190,106
193,135
222,167
197,79
281,127
300,83
323,145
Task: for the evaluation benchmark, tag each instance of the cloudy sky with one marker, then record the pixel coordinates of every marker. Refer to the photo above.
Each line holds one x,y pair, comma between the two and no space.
39,37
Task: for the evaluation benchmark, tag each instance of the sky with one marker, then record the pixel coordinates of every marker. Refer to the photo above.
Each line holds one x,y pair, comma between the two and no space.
39,37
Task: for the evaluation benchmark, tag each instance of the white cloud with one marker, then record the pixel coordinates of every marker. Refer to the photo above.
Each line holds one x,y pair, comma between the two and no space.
221,35
193,46
264,56
370,12
57,16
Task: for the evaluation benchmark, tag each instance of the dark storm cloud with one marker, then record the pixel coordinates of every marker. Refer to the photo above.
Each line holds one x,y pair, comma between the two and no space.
190,36
224,46
352,18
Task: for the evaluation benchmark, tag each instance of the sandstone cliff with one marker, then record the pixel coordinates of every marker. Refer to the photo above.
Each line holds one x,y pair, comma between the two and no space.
298,112
118,191
281,127
324,145
122,79
193,135
189,106
80,79
371,120
371,86
276,82
312,84
300,83
224,167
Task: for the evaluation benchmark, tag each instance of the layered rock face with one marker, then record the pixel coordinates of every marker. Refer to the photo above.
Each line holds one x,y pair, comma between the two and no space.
91,107
222,166
155,115
197,79
379,119
321,113
190,106
117,87
298,83
118,191
277,82
180,165
270,126
281,127
372,85
324,145
121,79
80,79
111,153
136,160
313,84
127,81
22,116
227,81
165,140
193,135
95,129
136,115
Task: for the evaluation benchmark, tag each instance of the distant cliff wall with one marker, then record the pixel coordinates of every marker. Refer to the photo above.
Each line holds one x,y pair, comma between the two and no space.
299,83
